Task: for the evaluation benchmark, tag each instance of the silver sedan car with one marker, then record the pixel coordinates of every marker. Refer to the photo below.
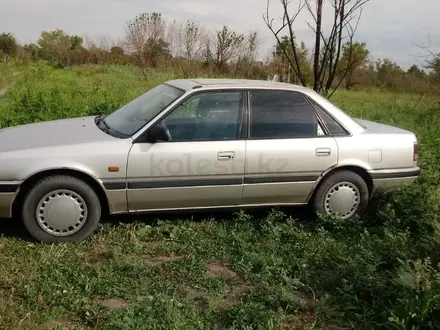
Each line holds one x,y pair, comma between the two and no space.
199,144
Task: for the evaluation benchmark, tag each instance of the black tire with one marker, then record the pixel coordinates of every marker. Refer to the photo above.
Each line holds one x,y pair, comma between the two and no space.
52,183
339,177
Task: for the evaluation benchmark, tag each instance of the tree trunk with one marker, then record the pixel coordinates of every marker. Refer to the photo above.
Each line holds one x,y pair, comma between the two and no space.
316,67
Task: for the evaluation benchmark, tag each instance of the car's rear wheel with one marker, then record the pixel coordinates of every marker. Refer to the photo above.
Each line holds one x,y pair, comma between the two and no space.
343,193
61,209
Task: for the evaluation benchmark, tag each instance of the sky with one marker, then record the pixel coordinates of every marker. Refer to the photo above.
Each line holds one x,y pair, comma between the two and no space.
391,28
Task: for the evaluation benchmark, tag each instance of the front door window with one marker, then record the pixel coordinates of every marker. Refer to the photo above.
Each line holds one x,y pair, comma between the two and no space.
210,116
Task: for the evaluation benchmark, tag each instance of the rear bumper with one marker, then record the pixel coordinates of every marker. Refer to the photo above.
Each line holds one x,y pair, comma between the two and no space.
393,179
8,192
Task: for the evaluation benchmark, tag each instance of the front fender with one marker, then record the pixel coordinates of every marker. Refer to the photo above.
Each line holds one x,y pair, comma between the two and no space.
91,159
30,171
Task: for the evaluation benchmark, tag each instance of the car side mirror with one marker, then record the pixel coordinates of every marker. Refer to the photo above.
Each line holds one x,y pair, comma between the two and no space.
158,133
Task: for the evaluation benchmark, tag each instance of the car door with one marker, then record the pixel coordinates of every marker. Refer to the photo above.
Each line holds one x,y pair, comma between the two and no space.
287,148
202,165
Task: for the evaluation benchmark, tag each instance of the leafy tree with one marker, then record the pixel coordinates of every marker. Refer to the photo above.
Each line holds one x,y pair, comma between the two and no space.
284,52
434,65
8,44
117,51
389,74
354,58
32,50
416,72
76,42
154,50
55,46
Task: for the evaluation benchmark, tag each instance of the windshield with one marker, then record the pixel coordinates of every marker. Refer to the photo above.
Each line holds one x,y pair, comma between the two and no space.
134,115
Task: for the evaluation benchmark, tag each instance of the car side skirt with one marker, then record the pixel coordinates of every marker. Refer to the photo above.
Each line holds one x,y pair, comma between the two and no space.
180,183
222,207
141,189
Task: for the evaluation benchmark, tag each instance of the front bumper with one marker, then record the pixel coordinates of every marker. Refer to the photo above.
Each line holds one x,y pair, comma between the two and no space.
393,179
8,192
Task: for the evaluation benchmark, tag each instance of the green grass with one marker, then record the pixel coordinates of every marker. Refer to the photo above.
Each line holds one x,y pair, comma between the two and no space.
277,269
9,73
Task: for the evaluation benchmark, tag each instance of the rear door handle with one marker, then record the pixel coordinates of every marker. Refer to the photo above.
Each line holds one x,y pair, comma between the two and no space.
322,152
226,155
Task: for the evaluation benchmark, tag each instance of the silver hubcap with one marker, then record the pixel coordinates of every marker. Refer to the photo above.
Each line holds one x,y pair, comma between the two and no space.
342,199
61,212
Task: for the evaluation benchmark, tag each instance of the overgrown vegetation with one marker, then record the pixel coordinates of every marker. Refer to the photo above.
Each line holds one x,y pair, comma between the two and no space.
277,269
150,41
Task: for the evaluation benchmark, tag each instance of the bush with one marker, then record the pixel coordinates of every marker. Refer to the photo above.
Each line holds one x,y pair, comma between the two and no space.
8,45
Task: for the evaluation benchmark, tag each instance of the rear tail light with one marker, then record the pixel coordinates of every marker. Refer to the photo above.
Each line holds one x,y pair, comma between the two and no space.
416,152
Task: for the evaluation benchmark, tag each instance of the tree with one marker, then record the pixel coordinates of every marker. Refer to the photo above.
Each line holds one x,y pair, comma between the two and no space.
246,53
227,46
416,72
207,55
432,62
253,42
354,58
327,48
117,51
250,51
143,33
192,40
103,42
155,50
284,49
434,65
33,50
76,42
55,46
8,44
290,51
389,74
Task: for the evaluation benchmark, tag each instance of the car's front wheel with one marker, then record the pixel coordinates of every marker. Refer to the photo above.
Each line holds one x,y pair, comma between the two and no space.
343,193
61,208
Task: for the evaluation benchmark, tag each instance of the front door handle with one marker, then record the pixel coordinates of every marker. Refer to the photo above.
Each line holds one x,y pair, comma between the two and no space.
226,155
322,152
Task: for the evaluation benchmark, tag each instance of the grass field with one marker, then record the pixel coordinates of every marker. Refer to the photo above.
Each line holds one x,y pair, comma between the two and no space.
274,269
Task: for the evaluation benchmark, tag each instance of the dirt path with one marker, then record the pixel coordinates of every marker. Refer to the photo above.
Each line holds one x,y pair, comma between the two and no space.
7,82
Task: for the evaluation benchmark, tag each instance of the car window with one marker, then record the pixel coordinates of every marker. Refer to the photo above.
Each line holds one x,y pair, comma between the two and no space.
282,114
207,117
333,127
134,115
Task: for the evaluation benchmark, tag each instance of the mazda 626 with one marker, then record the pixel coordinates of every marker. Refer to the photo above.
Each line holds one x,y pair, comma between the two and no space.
199,144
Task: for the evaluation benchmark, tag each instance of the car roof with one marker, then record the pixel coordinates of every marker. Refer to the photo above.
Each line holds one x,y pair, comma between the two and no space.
193,83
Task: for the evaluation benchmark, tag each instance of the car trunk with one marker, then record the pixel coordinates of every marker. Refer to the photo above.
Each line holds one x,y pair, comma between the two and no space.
381,128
